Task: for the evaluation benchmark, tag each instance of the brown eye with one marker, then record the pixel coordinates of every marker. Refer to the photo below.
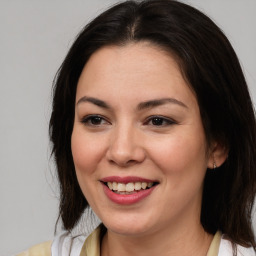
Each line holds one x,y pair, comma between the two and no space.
94,120
159,121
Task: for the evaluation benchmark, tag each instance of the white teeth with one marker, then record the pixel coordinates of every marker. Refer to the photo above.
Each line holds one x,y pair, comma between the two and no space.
150,184
114,185
129,187
110,185
144,185
121,187
137,186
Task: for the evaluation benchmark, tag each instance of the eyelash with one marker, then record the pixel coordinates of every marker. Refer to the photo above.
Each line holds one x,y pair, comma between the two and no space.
166,121
160,121
88,120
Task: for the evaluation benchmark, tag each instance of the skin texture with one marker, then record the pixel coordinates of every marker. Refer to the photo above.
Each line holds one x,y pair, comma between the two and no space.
125,141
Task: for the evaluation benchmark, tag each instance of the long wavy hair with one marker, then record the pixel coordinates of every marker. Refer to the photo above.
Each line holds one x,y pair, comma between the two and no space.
211,68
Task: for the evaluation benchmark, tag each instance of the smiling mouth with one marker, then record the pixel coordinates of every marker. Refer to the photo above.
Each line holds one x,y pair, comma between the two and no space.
129,188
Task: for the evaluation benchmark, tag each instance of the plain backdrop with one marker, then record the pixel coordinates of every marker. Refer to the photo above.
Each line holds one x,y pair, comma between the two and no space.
35,36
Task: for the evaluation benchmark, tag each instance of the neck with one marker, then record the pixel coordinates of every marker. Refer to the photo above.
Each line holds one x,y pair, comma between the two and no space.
186,242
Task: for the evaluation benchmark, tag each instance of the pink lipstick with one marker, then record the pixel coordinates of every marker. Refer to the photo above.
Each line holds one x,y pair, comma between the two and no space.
127,190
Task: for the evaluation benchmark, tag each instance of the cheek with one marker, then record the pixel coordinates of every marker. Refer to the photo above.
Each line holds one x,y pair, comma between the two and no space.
182,161
180,155
86,151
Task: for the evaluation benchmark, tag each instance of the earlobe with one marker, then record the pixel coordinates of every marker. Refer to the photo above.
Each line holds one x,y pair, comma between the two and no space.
217,156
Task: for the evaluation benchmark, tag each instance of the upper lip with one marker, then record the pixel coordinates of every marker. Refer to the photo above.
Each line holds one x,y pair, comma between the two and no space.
126,179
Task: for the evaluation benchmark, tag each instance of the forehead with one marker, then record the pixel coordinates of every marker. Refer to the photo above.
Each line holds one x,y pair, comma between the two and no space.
137,57
135,67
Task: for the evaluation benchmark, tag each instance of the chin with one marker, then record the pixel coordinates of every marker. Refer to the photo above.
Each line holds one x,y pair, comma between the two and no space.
128,231
128,227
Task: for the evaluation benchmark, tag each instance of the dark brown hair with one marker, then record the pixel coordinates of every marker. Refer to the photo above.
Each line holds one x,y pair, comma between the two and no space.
211,68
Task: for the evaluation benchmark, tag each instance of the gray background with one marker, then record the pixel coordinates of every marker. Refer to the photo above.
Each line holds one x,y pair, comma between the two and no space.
35,36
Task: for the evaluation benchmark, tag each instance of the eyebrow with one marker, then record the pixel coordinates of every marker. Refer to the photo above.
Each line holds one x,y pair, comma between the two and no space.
97,102
159,102
141,106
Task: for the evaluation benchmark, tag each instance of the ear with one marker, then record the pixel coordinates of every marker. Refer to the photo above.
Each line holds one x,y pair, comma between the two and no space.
217,156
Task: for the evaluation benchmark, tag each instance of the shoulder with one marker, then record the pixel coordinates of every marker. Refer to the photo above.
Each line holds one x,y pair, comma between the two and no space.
66,244
43,249
63,244
226,249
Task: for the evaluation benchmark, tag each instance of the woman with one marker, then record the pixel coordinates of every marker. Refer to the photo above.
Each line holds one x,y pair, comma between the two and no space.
153,127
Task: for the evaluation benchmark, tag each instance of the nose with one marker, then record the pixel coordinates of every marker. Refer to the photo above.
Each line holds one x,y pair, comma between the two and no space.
125,147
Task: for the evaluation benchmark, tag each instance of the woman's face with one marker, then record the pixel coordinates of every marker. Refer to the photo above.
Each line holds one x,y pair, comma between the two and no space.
138,141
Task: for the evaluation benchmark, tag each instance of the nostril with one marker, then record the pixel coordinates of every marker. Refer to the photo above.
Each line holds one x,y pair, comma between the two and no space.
122,163
125,151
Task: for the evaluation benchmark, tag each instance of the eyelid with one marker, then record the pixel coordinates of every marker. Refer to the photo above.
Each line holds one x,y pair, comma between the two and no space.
169,120
85,120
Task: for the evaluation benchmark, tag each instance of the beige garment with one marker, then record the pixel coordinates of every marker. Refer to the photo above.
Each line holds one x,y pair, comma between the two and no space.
215,245
91,246
43,249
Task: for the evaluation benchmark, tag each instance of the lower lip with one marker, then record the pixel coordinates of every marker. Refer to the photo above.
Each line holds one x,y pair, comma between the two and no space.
123,199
